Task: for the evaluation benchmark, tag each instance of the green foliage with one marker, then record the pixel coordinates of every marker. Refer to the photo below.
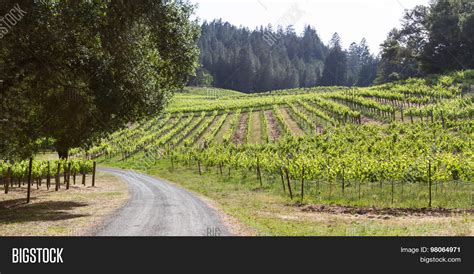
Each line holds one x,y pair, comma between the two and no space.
74,71
433,39
41,169
201,79
338,148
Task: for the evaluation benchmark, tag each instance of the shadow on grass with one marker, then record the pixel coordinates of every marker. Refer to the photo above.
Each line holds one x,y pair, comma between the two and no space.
17,211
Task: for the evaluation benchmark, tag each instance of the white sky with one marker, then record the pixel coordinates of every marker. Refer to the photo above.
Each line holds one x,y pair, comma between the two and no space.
353,20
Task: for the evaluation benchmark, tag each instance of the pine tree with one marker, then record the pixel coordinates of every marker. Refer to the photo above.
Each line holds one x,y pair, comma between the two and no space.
335,68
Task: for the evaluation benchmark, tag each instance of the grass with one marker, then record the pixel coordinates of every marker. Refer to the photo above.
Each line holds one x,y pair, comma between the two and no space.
295,129
256,128
225,127
267,212
72,212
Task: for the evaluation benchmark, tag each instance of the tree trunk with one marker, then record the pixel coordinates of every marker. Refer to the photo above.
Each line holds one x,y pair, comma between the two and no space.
63,153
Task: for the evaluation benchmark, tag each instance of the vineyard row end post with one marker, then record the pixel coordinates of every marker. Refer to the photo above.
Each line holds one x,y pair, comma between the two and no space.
28,194
57,177
8,179
93,173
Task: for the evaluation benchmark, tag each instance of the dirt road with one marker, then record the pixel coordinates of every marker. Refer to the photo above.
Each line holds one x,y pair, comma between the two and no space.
158,208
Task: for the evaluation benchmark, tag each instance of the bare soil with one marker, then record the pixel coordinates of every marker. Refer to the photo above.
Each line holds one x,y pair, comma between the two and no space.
272,124
239,136
372,211
319,129
369,121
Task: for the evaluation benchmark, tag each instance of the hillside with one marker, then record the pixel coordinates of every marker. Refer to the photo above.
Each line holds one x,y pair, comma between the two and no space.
209,92
405,137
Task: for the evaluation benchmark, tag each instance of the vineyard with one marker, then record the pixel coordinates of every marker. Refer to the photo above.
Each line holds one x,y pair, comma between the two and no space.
54,173
404,144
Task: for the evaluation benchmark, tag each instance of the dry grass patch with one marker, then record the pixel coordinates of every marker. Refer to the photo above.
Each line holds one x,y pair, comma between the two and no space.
72,212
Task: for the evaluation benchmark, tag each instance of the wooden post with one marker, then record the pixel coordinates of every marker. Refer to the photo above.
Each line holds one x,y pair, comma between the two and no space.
11,180
28,194
330,189
358,196
7,179
401,113
83,178
199,167
289,184
343,183
93,173
429,181
259,174
65,175
282,180
68,175
74,177
401,191
392,191
57,177
302,183
48,177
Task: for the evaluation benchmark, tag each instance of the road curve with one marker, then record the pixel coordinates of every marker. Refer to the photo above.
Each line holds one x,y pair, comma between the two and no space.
158,208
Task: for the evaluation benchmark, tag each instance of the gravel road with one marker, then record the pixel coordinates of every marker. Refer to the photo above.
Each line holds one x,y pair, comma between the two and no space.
158,208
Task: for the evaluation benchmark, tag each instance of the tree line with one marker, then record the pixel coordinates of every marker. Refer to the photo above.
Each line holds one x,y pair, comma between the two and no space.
268,59
433,39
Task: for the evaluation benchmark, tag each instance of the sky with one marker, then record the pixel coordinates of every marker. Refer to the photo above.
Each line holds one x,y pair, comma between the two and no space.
351,19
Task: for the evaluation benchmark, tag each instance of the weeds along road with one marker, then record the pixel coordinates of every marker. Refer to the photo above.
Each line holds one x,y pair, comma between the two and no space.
158,208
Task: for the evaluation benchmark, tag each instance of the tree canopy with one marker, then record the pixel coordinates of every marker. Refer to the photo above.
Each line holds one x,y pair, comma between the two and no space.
74,70
433,39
